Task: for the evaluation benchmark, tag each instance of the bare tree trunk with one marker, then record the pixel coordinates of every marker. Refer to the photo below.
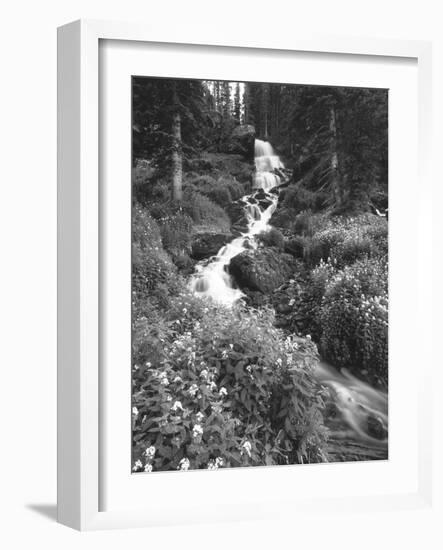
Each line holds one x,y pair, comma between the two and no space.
334,156
177,154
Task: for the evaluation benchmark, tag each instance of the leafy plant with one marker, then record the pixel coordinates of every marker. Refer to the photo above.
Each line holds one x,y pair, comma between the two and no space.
229,390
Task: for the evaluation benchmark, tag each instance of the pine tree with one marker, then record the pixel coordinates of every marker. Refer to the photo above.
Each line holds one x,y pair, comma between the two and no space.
237,103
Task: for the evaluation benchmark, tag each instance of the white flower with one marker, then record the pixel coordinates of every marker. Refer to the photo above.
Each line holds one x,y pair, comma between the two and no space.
204,374
150,452
199,416
193,390
177,406
178,380
184,464
223,392
219,461
135,411
212,465
148,467
137,465
246,447
197,430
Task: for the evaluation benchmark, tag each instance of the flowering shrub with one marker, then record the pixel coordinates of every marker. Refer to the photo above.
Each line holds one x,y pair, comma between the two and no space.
152,268
345,240
354,318
225,388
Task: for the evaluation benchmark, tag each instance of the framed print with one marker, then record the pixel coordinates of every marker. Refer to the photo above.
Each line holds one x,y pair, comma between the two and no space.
235,248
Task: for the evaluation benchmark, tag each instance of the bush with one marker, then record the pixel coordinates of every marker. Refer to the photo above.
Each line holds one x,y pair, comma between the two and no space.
221,191
229,390
313,292
354,318
154,276
343,240
303,224
205,212
235,188
299,198
176,230
273,237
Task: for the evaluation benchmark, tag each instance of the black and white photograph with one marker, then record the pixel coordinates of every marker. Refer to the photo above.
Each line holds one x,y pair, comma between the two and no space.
259,274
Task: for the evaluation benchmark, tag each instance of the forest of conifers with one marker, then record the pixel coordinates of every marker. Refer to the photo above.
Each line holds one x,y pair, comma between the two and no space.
259,312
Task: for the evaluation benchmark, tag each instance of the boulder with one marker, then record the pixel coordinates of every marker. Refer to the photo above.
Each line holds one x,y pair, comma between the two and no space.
262,270
205,245
242,141
237,215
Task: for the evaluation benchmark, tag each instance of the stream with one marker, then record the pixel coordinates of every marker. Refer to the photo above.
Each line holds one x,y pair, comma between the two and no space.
357,414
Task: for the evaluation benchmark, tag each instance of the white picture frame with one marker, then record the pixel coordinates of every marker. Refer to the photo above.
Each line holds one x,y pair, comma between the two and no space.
79,253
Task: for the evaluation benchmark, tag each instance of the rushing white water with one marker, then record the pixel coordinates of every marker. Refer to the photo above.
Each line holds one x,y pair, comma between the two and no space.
358,405
267,163
212,278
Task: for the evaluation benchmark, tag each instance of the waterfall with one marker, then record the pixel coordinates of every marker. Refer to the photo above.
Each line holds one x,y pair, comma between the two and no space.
212,277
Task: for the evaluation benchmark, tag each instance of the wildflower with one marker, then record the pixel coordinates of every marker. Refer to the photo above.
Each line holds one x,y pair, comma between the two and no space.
148,468
223,392
197,430
184,464
135,412
150,452
204,374
193,390
177,406
199,416
219,461
178,380
212,386
212,465
246,448
137,465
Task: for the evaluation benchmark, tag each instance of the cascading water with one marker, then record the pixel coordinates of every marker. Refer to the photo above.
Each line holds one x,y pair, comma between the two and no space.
212,278
361,417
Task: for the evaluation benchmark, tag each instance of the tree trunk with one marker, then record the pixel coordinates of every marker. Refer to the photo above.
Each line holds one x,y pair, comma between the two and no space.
334,157
177,153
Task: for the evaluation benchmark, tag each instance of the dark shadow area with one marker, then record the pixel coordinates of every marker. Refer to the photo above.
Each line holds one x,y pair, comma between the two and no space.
48,511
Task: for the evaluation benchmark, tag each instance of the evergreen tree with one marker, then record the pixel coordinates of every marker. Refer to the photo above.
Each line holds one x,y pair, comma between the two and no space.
237,103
